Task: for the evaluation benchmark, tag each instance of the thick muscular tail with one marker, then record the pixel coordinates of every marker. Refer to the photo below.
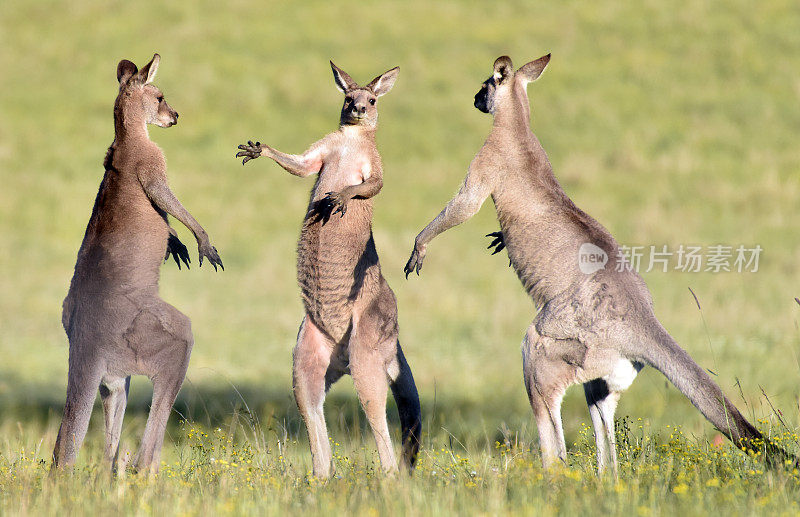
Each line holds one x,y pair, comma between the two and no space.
405,396
664,354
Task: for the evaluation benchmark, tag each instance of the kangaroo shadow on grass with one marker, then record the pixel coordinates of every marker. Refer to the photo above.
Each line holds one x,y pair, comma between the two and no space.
270,408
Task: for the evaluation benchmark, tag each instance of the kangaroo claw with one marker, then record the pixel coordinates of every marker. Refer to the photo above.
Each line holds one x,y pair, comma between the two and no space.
249,151
498,243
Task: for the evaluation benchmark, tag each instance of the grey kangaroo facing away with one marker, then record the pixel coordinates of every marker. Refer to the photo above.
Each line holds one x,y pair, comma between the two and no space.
350,325
595,325
116,322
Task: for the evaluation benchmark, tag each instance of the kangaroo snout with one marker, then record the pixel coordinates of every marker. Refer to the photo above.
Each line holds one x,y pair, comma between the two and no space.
482,100
170,119
359,110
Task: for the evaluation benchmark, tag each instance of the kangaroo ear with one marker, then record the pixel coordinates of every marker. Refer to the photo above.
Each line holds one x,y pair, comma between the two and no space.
384,82
503,69
343,81
148,71
531,71
125,70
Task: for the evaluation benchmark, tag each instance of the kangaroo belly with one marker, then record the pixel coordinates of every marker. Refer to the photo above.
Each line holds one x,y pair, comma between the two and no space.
333,264
327,289
125,261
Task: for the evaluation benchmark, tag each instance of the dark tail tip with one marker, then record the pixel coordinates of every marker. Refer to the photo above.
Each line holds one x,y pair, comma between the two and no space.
409,411
406,397
411,441
774,456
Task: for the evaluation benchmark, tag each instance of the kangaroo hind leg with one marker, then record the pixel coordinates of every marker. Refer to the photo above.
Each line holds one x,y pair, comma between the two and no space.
372,349
602,406
311,379
602,396
162,338
114,394
547,376
82,381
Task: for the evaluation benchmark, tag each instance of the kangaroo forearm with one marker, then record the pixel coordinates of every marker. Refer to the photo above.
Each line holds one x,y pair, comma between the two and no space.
294,164
438,225
163,198
461,208
365,189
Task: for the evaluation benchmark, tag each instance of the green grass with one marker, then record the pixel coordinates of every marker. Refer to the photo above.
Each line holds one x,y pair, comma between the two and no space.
249,467
670,122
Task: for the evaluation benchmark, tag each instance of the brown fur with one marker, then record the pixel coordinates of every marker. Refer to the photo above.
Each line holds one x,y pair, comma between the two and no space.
599,328
350,324
116,323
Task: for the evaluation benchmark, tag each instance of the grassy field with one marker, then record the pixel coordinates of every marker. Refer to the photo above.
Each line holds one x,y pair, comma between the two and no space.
670,122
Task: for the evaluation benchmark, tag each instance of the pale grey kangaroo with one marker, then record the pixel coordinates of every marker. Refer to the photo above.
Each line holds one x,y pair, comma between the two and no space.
593,327
116,323
350,324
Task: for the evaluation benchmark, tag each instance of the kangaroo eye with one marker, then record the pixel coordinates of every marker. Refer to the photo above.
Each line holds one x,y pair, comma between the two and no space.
160,98
372,101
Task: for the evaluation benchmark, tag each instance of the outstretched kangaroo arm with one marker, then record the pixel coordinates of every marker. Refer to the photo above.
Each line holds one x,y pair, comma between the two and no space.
464,205
156,187
310,162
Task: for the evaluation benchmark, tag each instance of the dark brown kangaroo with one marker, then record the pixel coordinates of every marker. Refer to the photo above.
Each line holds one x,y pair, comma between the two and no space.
116,323
350,324
595,324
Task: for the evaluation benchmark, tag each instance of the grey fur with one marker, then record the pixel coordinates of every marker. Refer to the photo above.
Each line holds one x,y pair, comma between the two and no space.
116,323
350,324
599,328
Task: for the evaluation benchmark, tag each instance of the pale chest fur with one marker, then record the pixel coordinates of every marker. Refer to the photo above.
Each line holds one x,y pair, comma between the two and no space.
353,161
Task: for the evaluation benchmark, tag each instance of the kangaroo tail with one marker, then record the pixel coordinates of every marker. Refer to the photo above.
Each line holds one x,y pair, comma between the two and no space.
664,354
405,396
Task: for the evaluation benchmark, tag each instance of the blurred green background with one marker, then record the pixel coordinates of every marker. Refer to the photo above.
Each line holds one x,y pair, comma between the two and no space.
670,122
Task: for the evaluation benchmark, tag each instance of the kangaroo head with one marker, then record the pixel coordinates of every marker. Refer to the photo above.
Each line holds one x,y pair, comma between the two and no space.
139,98
360,106
499,88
